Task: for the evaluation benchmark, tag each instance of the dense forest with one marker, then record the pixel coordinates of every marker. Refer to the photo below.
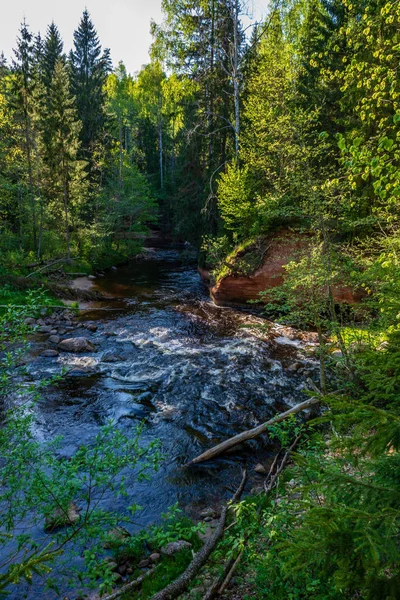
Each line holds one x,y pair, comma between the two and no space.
231,136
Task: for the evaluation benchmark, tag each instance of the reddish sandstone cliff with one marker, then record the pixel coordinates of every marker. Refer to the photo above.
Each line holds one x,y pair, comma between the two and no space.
282,248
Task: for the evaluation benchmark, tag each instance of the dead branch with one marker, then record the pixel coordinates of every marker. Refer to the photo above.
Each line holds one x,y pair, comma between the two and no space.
255,432
180,585
48,266
273,478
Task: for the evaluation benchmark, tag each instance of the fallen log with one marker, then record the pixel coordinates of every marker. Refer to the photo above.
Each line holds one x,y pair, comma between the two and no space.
180,585
255,432
129,586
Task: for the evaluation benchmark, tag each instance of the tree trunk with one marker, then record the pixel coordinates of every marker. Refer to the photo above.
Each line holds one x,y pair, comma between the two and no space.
236,75
160,151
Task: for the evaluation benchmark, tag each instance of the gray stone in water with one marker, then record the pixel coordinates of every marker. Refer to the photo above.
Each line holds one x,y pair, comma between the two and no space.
116,536
174,547
294,367
91,326
81,372
62,518
78,344
260,469
50,353
91,277
111,357
54,339
208,513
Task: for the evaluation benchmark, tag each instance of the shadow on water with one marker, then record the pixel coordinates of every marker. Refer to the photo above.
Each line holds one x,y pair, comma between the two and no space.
183,366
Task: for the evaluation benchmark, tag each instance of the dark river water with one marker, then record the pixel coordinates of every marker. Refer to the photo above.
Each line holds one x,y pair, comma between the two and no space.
192,371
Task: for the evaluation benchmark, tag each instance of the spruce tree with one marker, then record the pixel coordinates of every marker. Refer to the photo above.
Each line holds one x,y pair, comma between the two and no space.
89,69
52,51
24,70
64,170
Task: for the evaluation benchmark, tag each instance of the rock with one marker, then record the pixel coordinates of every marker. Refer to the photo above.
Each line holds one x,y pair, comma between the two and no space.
122,568
208,512
50,353
53,332
60,518
111,357
144,563
337,354
255,491
44,329
174,547
112,565
207,519
280,249
113,268
259,468
310,336
30,321
81,372
78,344
91,277
54,339
155,557
116,536
110,333
91,326
294,367
43,312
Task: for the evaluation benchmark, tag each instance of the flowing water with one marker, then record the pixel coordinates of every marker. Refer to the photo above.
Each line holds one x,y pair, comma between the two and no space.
193,372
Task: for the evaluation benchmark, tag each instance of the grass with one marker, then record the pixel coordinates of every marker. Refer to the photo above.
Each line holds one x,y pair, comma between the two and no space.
12,296
167,571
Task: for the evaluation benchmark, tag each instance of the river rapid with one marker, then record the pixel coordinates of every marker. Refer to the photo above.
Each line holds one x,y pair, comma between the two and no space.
193,372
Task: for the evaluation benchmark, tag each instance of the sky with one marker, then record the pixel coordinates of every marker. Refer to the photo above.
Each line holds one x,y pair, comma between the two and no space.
122,25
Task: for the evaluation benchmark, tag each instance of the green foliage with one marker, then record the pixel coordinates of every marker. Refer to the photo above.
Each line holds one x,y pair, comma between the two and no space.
38,488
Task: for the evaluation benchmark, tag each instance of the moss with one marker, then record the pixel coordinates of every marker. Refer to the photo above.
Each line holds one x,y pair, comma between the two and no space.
167,571
243,260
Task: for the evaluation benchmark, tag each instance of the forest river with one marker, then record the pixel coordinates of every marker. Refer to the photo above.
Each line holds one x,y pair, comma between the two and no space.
193,372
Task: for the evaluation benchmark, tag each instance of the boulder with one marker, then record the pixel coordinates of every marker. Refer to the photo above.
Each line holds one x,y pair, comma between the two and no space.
78,344
111,357
174,547
294,367
62,518
208,512
50,353
155,557
116,537
259,468
44,329
54,339
91,326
